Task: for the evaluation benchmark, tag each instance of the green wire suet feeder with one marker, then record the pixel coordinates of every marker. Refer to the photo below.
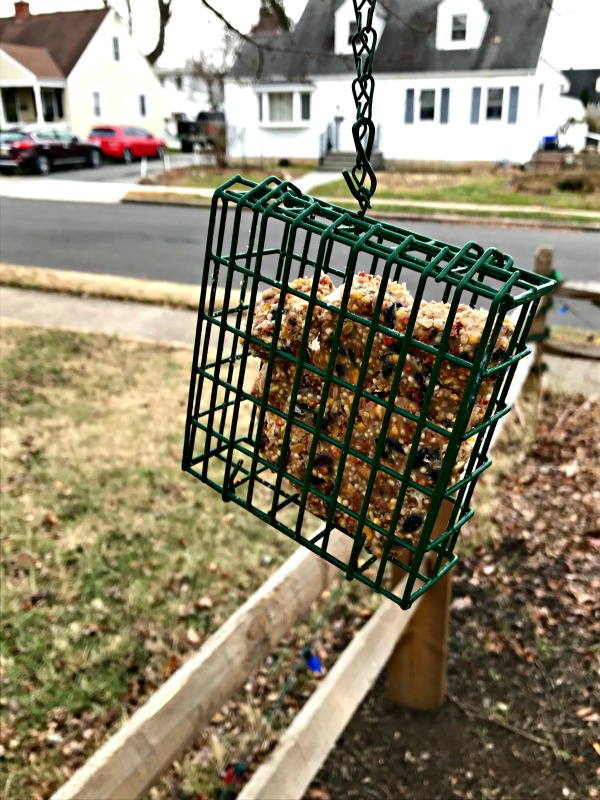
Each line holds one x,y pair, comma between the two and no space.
350,369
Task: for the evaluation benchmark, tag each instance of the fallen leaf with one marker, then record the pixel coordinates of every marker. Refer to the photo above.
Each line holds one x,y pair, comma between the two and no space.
172,666
204,603
317,794
193,636
461,603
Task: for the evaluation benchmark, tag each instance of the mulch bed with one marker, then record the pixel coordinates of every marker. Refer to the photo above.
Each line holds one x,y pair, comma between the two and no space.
522,716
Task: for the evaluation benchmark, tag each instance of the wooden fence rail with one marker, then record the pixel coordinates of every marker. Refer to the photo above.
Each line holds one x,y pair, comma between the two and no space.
573,290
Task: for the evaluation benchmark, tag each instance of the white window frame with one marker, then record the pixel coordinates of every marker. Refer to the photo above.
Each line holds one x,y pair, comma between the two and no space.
264,94
116,48
96,105
143,106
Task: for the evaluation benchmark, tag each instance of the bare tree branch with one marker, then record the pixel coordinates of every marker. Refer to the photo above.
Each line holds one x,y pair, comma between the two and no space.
164,11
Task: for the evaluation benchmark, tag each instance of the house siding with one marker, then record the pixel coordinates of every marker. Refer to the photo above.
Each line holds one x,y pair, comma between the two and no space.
11,73
119,84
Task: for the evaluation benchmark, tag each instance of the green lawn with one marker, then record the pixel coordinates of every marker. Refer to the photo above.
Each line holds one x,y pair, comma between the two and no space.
484,189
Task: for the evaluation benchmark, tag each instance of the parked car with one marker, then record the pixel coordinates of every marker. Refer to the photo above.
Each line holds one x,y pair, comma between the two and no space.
126,142
206,130
41,149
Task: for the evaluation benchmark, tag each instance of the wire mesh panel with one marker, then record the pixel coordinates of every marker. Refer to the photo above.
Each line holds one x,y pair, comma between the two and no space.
353,371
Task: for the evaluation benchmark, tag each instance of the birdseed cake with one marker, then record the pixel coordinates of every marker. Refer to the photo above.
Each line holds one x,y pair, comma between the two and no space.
347,485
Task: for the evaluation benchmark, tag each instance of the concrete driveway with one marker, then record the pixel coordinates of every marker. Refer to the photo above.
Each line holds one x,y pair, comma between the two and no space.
117,172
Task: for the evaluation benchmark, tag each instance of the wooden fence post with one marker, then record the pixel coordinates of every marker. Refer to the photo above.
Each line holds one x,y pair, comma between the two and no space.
416,675
544,257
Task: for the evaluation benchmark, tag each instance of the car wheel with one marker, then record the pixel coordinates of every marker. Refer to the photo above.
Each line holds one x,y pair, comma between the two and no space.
127,159
160,152
43,165
95,159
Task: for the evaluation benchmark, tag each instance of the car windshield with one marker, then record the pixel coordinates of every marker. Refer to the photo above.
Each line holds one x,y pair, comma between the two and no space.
12,136
102,132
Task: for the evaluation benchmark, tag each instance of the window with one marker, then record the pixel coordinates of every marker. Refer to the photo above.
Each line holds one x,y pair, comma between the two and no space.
445,106
305,106
409,108
292,107
475,104
427,111
96,100
513,104
178,83
142,105
63,136
11,111
281,107
352,31
494,104
459,27
116,51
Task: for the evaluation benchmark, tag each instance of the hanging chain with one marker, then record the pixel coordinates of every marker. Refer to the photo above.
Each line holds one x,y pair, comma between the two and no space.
362,181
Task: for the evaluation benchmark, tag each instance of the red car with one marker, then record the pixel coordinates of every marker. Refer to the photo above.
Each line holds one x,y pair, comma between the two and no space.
124,142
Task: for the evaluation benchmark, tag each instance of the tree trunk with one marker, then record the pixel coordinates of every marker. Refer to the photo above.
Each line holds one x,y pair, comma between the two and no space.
164,10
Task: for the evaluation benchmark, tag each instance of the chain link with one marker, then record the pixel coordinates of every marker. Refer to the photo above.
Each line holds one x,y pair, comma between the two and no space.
362,180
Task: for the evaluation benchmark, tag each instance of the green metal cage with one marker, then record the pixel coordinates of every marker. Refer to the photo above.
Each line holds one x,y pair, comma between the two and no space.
263,238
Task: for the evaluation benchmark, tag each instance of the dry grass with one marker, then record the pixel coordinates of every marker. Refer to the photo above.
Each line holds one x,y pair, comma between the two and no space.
116,565
110,287
107,547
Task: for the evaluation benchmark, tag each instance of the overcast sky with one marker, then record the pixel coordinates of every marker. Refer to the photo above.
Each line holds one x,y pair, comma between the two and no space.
192,28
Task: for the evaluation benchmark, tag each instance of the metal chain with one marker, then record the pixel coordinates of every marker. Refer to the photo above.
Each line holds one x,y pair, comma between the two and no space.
362,181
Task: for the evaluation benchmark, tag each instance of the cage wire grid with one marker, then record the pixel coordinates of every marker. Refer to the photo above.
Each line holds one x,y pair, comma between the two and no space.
269,234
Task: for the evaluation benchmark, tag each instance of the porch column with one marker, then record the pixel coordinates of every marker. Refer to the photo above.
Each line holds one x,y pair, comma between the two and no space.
2,115
39,109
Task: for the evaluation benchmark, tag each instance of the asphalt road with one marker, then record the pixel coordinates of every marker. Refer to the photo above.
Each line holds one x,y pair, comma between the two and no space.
168,242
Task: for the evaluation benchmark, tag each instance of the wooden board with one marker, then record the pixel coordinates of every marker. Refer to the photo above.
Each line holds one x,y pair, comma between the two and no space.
572,350
131,761
580,290
305,745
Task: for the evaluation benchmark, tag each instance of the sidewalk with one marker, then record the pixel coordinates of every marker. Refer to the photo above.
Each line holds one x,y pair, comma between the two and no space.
178,327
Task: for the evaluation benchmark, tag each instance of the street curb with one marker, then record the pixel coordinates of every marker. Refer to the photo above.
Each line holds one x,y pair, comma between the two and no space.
111,288
488,222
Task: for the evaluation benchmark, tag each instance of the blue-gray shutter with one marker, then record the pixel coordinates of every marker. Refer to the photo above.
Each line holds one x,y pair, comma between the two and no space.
475,104
409,110
444,107
513,104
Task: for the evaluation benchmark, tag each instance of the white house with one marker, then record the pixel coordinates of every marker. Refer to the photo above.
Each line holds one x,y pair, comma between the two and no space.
184,93
456,80
76,68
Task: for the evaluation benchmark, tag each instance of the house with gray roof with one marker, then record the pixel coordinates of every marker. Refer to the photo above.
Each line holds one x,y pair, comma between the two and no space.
455,80
75,69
